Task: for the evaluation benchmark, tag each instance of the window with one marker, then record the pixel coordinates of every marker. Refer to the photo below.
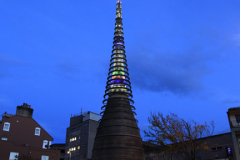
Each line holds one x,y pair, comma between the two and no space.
6,126
198,155
237,118
80,127
78,147
84,145
72,149
37,131
72,130
45,144
4,138
13,156
85,124
85,134
75,129
73,139
218,148
45,157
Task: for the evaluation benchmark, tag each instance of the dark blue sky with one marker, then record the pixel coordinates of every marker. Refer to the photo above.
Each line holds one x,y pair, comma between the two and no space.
183,57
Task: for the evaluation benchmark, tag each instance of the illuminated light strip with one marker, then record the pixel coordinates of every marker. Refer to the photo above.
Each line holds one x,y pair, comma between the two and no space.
118,72
118,81
119,77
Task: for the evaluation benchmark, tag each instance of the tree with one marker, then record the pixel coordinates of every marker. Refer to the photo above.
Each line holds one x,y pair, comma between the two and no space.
175,135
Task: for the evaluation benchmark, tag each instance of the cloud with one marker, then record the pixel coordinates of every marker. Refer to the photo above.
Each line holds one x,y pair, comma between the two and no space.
67,67
178,73
236,38
229,98
68,70
8,63
230,101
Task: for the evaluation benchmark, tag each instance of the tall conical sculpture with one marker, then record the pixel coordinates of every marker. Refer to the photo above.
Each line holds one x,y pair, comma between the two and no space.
118,136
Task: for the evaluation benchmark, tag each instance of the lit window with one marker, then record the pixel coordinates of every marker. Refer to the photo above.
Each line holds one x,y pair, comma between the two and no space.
6,126
45,144
37,131
45,157
78,147
4,138
14,155
73,139
72,149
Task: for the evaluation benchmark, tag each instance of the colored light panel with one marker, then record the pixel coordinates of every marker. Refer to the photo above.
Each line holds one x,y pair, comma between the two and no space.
118,72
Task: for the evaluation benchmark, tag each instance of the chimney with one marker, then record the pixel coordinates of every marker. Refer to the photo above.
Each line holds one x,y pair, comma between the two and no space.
24,110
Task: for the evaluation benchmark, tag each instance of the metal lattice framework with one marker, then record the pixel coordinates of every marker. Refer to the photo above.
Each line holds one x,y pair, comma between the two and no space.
118,76
118,136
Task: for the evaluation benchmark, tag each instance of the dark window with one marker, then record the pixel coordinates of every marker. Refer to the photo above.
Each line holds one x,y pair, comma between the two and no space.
84,145
75,129
214,148
238,118
85,134
71,130
219,148
84,155
80,127
86,124
198,155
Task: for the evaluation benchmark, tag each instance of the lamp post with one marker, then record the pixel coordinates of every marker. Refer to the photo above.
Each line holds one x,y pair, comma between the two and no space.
69,153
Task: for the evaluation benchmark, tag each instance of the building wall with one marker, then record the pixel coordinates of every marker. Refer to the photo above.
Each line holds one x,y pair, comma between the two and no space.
235,128
36,153
90,115
92,133
221,140
22,131
84,128
61,148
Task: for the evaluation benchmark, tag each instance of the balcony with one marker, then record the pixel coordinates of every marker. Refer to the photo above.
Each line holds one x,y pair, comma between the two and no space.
235,123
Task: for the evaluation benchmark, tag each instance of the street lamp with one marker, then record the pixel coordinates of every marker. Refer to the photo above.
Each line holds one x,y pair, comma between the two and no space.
69,153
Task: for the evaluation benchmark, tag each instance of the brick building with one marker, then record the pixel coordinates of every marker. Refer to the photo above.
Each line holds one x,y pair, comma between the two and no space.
22,137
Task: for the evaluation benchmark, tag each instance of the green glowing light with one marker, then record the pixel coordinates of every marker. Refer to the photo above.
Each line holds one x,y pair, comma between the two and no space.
118,72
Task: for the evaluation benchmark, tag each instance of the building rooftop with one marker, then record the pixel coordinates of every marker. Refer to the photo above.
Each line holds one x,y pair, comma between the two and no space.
234,108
